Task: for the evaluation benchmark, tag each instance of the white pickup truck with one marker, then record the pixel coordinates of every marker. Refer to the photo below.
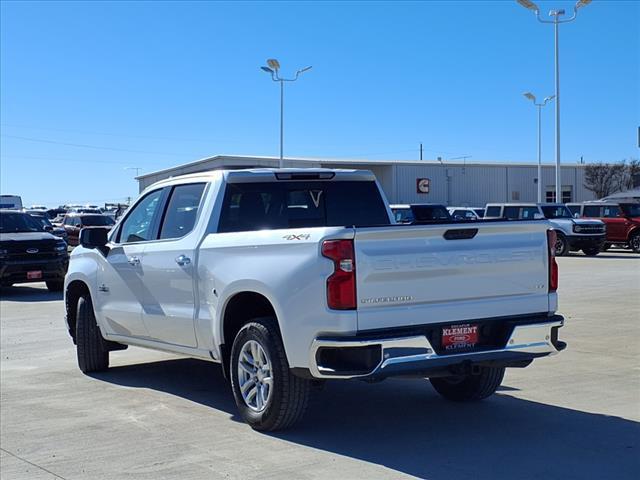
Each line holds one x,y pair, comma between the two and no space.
291,277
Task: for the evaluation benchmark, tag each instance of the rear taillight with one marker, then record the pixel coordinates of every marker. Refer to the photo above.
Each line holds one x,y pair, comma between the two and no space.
553,265
341,285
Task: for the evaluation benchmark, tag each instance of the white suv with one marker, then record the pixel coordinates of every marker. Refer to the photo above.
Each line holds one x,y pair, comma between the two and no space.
573,234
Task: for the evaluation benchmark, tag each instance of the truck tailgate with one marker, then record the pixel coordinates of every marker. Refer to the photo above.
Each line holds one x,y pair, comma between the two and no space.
413,275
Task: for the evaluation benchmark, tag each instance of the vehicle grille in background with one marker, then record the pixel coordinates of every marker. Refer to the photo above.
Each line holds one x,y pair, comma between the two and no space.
20,250
592,229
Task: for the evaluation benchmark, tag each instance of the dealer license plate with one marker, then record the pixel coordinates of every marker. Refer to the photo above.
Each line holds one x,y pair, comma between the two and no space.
34,274
459,337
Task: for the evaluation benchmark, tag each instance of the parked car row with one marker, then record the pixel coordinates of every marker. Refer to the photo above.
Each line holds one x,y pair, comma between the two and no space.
28,253
590,226
621,219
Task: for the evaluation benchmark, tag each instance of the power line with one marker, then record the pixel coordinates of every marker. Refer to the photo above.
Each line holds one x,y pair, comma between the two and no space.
81,145
85,132
58,159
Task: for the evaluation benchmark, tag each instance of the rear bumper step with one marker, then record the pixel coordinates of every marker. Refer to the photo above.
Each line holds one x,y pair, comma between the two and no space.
351,357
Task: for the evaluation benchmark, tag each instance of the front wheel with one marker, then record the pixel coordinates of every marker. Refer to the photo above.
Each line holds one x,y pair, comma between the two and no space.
93,355
591,252
463,388
268,396
562,246
634,242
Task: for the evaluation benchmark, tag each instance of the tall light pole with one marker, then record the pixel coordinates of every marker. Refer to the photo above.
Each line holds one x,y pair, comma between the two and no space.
274,70
532,97
556,21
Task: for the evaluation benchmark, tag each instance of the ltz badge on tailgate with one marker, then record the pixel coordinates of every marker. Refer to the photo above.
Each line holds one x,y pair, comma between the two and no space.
456,337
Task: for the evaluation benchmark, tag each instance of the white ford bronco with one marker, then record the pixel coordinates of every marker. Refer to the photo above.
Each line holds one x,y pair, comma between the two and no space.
291,277
572,234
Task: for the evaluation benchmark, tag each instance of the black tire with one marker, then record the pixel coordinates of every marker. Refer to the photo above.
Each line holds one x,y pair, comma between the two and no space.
55,285
93,355
634,242
465,388
562,246
289,395
591,252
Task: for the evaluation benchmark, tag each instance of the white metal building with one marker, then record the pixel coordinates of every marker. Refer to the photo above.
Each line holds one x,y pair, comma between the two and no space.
459,184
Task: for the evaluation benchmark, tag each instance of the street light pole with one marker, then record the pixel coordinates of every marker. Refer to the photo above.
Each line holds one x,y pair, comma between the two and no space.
274,69
556,14
532,97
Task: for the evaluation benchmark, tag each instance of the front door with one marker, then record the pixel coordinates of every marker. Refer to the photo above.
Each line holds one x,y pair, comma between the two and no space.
616,223
169,265
122,290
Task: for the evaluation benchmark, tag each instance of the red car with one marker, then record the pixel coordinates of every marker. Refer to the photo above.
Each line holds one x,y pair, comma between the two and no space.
74,222
622,221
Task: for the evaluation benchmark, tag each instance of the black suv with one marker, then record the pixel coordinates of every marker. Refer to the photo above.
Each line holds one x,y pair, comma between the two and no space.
29,254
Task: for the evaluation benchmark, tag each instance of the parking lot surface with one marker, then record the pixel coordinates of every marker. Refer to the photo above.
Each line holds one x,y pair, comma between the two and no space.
157,416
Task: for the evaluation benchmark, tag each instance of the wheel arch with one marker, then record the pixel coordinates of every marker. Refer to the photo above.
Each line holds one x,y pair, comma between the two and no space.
74,290
240,308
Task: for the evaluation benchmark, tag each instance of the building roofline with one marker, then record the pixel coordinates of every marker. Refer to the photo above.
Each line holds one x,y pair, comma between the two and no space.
248,158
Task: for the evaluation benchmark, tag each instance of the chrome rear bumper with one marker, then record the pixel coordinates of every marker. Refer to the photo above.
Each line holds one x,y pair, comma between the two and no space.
414,354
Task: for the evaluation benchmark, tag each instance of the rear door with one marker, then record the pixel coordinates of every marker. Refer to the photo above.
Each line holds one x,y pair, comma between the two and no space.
414,275
169,266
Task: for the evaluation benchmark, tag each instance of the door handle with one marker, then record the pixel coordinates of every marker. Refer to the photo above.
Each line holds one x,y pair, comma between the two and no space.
183,260
134,261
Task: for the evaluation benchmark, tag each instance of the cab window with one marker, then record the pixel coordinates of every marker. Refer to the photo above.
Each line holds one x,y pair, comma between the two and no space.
592,211
492,212
528,213
138,226
611,211
182,210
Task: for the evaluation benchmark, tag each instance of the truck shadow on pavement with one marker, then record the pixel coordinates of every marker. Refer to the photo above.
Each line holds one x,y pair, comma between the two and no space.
28,294
405,426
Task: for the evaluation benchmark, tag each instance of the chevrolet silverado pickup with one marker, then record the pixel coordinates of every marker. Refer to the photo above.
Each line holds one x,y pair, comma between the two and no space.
290,277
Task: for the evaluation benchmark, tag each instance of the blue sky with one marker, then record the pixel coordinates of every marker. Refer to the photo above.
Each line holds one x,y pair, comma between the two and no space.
90,88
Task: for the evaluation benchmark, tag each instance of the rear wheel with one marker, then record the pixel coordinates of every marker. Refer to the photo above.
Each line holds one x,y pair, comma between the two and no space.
462,388
268,396
562,246
55,285
591,252
93,355
634,242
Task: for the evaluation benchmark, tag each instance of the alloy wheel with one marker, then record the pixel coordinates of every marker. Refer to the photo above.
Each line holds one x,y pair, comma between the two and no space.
255,377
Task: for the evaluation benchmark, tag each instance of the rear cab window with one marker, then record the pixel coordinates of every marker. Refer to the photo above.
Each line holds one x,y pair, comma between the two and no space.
299,204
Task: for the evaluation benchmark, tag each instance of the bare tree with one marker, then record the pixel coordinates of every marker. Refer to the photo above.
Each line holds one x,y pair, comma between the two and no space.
631,175
604,178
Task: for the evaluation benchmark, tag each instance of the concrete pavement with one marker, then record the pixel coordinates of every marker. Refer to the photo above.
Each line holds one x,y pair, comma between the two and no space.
157,416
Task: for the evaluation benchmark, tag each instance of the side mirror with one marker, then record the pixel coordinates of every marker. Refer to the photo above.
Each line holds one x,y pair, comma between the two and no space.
48,228
576,215
93,237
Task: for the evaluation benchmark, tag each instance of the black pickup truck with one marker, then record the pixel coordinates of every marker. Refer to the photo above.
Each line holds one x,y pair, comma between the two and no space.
29,254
